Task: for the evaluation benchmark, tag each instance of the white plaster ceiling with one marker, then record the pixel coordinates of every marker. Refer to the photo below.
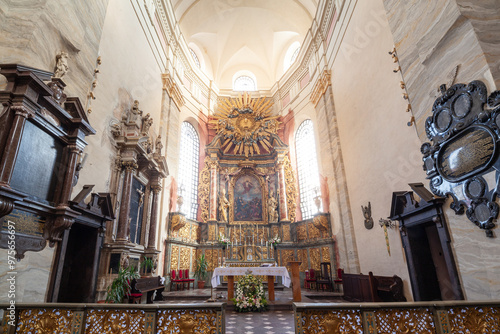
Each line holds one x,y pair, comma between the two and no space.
244,35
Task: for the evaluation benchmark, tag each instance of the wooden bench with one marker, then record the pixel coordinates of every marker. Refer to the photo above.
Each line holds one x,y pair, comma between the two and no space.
149,285
370,288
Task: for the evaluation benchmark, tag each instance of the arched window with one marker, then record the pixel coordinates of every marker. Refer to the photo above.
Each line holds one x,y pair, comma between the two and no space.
307,169
188,169
244,83
291,55
195,58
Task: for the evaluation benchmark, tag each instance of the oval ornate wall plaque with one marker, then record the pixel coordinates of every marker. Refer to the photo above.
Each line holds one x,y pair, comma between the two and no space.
466,154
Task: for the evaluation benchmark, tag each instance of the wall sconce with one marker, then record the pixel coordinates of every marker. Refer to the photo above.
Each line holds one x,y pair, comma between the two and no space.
387,223
411,122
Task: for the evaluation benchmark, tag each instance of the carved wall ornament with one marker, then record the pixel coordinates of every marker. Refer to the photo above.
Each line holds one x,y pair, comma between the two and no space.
367,214
245,124
291,188
61,64
204,190
129,165
147,121
177,221
91,94
463,148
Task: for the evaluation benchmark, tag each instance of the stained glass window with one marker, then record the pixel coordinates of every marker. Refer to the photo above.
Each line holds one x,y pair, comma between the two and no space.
244,83
188,169
307,169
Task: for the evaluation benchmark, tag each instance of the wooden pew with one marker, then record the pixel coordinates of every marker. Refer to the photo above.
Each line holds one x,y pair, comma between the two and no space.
370,288
149,285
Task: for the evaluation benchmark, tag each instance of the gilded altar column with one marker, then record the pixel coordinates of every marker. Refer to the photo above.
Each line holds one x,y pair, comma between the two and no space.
123,223
213,191
155,189
282,186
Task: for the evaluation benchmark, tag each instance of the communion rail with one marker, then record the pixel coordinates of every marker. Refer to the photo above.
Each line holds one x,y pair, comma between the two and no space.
415,317
113,318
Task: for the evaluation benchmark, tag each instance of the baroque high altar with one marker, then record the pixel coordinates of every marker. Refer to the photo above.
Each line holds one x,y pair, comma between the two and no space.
248,193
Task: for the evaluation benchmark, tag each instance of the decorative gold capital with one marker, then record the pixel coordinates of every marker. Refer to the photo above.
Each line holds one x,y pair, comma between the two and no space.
156,188
320,87
129,165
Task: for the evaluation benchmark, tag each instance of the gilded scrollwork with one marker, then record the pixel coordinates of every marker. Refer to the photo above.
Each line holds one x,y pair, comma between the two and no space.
177,221
331,321
211,232
188,321
302,255
286,233
185,258
479,319
287,255
204,190
291,189
45,321
114,321
174,258
185,232
405,321
325,254
301,232
321,223
314,233
315,260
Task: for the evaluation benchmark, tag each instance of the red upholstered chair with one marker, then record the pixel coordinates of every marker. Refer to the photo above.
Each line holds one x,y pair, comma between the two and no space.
338,280
187,279
306,283
312,279
175,280
134,297
182,278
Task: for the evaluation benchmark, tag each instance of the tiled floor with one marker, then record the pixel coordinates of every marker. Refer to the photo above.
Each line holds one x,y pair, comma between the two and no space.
272,322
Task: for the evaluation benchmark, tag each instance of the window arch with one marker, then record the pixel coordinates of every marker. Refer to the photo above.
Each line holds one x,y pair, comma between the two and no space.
188,169
307,169
195,58
291,55
244,83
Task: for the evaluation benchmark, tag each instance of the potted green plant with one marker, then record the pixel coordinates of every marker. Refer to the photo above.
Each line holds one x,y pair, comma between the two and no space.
121,285
147,265
201,271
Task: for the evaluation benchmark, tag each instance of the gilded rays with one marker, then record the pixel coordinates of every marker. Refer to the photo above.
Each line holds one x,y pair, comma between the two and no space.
246,124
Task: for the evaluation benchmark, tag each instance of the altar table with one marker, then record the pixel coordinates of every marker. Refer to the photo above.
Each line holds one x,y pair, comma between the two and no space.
270,272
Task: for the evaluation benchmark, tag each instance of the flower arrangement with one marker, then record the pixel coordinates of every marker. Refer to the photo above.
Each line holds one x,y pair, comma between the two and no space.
250,296
223,240
275,240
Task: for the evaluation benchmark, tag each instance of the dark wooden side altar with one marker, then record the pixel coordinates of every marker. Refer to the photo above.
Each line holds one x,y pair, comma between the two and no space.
42,136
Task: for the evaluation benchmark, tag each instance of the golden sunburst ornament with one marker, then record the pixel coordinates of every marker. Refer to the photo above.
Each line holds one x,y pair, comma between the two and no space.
245,123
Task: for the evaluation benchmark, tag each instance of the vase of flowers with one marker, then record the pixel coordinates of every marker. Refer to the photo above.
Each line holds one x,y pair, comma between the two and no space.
275,241
222,240
250,296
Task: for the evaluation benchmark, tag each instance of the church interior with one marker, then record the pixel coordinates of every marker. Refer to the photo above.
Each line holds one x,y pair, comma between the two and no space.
350,142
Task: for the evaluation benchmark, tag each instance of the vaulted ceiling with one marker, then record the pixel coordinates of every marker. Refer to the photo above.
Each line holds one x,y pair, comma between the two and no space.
244,35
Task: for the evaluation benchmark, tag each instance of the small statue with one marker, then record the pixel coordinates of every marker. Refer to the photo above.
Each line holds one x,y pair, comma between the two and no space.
158,145
116,130
367,213
223,206
61,65
147,121
272,204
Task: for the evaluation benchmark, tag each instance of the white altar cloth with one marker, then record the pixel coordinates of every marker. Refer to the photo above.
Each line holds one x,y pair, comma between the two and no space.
258,271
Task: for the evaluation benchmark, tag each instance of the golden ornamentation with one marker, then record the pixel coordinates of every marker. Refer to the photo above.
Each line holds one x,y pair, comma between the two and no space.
286,233
45,321
195,232
212,257
331,321
204,190
177,221
302,255
301,232
187,321
211,233
313,231
479,319
321,223
314,255
287,255
325,254
320,87
129,165
114,321
174,258
185,258
417,320
275,231
245,123
291,188
185,232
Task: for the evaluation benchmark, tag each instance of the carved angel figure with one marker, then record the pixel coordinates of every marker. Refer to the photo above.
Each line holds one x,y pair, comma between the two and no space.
158,145
61,65
272,203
